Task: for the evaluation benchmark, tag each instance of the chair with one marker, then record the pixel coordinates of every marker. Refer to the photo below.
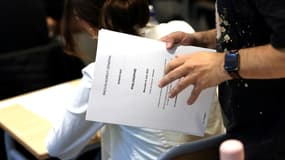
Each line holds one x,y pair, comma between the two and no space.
90,152
204,149
11,151
34,68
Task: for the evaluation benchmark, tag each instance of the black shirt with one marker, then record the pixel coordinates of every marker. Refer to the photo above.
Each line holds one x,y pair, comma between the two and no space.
255,109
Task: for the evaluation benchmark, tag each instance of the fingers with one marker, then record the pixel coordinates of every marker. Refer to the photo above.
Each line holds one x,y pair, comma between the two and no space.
183,83
174,70
194,95
169,41
174,63
186,78
173,38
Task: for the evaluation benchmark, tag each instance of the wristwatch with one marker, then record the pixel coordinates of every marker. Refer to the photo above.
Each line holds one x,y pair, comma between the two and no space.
231,64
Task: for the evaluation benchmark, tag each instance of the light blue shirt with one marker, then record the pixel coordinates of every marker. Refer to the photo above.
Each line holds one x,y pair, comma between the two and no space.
118,142
73,132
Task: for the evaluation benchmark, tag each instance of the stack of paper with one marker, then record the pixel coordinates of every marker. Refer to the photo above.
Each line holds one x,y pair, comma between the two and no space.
125,89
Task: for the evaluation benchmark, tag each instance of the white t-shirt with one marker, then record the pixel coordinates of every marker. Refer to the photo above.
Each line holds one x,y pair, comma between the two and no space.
118,142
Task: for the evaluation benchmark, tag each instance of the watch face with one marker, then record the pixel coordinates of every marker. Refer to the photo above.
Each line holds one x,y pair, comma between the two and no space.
231,62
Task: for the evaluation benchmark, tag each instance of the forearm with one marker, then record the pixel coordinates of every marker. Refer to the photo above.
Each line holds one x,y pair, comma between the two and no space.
263,62
73,132
70,136
205,38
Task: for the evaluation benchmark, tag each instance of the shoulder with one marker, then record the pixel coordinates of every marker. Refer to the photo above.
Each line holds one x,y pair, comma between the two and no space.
176,25
162,29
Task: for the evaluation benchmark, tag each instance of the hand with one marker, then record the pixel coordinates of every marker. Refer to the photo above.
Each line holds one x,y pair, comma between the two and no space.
200,69
178,37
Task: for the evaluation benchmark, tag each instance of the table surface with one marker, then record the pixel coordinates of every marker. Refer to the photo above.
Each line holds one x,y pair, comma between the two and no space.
29,117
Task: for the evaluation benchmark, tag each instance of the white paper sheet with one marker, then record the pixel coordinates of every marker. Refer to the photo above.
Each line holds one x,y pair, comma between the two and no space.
125,89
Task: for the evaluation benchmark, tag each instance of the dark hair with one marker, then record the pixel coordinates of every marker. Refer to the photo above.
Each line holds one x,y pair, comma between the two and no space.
117,15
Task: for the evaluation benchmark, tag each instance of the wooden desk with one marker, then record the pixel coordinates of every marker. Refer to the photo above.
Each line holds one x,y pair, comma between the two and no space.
27,128
29,117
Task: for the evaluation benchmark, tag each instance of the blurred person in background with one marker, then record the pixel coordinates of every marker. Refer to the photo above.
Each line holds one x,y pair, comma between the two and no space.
26,25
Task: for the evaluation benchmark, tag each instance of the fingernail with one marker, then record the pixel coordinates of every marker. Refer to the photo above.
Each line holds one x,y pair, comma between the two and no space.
160,84
190,102
170,95
168,45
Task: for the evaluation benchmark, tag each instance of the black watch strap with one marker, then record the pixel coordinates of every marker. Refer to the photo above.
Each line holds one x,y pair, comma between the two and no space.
235,75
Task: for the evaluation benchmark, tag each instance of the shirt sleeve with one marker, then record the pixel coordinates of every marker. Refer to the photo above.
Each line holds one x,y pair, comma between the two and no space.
72,133
274,15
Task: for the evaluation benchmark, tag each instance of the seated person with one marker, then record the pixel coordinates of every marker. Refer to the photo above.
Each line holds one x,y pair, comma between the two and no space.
72,133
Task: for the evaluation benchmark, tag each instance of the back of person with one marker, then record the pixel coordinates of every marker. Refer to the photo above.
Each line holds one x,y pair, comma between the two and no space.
73,132
120,141
150,143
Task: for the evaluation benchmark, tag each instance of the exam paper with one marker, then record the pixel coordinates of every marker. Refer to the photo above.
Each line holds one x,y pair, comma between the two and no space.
125,89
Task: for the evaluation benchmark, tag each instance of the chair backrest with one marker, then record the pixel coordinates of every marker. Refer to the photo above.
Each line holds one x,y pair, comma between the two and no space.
204,149
35,68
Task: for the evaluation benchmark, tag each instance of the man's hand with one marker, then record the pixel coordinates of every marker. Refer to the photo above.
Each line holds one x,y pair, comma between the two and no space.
200,69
